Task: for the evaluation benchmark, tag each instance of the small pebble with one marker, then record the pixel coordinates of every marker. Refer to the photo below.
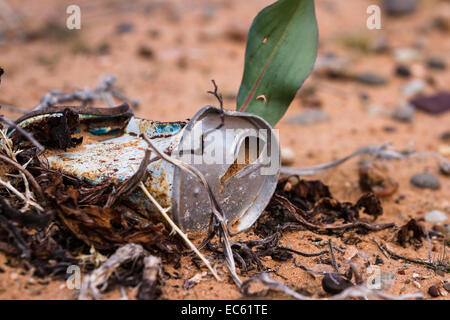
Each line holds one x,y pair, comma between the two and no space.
433,104
374,110
444,168
435,216
404,112
399,7
436,63
380,45
237,32
403,71
444,150
447,286
146,52
445,136
334,283
371,79
124,28
414,87
406,55
287,156
310,116
425,181
379,261
433,291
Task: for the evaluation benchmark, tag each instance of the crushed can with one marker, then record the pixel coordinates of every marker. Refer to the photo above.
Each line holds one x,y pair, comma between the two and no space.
238,154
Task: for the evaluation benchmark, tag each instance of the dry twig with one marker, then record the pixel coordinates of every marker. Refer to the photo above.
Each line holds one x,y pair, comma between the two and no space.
99,277
151,277
178,230
36,186
26,134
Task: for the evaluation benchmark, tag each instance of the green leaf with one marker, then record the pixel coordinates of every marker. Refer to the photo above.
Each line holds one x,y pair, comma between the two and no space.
281,50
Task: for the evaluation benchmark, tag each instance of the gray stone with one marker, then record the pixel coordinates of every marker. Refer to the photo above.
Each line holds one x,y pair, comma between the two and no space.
444,168
447,286
404,112
406,55
310,116
414,87
380,45
436,63
403,71
425,181
399,7
371,79
124,27
435,216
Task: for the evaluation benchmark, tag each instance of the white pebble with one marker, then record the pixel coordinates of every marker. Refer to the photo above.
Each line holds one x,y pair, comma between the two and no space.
435,216
287,156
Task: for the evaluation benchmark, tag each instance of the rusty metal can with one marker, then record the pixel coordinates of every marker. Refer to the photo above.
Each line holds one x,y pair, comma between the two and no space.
238,154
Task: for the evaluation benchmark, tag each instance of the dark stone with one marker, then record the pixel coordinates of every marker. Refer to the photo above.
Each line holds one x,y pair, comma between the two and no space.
425,181
444,168
434,104
436,63
379,261
445,136
146,52
447,286
399,7
371,79
334,283
403,71
433,291
124,28
404,113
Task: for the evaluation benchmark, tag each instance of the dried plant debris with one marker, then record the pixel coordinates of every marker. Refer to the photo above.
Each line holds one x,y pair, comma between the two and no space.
97,225
373,179
149,288
311,204
411,232
105,91
99,277
55,132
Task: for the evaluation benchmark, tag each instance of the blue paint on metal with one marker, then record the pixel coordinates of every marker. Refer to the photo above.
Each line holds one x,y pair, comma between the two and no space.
104,131
167,128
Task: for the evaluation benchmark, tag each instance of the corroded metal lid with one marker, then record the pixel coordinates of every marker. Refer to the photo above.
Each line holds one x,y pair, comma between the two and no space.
240,159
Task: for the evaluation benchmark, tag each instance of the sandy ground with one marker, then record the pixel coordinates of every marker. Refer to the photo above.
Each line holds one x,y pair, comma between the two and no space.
192,43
